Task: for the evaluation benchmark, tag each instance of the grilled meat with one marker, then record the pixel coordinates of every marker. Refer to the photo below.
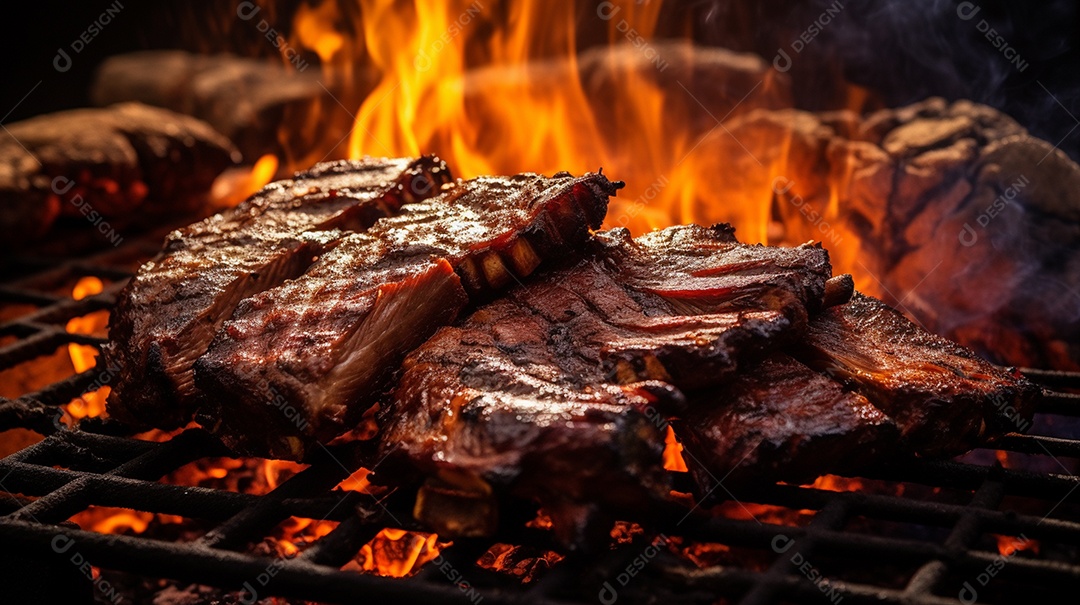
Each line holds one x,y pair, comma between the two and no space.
685,300
944,398
300,363
488,403
169,313
556,388
780,420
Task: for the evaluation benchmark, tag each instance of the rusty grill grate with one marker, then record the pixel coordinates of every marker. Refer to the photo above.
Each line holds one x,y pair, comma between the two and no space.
920,531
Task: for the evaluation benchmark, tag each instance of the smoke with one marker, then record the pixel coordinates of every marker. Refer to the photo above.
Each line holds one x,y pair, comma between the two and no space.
1003,54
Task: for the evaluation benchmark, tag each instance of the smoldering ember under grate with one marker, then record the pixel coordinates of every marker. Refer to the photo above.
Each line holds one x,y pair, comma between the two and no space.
331,301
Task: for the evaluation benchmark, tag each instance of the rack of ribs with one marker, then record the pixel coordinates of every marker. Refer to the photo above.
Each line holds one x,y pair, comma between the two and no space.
557,390
944,398
298,364
171,310
879,386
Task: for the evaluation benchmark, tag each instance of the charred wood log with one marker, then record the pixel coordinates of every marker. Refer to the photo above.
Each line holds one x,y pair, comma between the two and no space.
950,210
98,163
247,100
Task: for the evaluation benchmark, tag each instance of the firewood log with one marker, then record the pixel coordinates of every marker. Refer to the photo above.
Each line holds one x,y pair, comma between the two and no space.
950,210
98,163
248,100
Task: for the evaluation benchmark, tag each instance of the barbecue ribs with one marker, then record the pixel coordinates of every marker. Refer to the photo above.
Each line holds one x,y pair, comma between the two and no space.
299,363
780,420
169,313
887,387
558,389
945,399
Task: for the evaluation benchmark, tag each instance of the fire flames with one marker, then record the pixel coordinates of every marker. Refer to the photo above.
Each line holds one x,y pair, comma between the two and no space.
396,553
474,99
501,89
233,187
449,83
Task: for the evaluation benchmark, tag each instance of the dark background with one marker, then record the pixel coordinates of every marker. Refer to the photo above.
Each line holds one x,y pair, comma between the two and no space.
904,50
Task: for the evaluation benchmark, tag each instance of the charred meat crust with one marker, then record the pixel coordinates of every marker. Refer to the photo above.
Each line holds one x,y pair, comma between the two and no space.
780,420
588,359
323,345
945,399
170,311
469,410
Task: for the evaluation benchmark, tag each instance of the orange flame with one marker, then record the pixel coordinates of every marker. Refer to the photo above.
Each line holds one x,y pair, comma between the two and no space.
673,459
456,80
836,483
396,553
356,482
295,534
235,186
113,520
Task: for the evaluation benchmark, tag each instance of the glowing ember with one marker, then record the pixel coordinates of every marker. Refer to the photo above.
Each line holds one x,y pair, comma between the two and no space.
835,483
84,357
763,513
542,520
625,532
396,553
356,482
245,475
705,554
711,554
109,520
521,562
1010,545
296,534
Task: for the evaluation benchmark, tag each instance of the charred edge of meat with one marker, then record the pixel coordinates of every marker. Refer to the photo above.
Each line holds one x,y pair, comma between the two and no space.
838,290
421,180
752,336
945,398
792,280
566,220
163,395
282,425
780,420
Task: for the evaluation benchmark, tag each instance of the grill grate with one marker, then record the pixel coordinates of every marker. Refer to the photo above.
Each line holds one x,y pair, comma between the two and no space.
941,522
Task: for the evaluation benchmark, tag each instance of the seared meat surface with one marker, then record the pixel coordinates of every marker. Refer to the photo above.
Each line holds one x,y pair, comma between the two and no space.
780,420
299,363
557,389
945,399
170,311
685,301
